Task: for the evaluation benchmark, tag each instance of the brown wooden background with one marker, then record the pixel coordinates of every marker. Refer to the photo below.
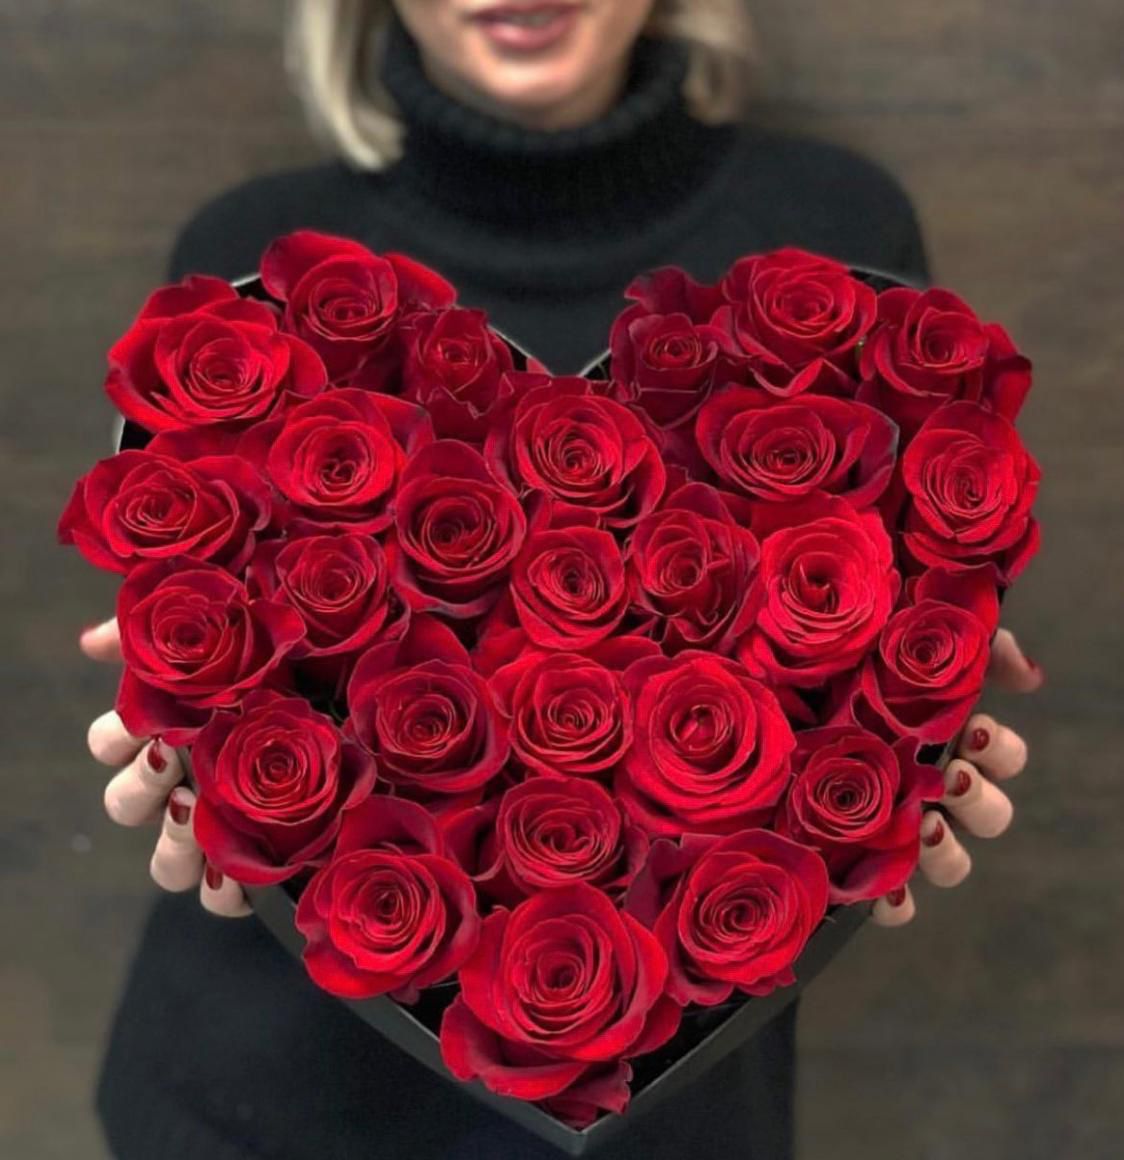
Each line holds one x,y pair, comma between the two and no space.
995,1026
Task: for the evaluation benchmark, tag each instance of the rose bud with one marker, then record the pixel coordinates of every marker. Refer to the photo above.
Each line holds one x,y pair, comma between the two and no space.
732,913
381,919
198,354
340,585
428,718
824,589
348,302
456,532
273,780
858,801
578,448
690,566
772,451
932,656
971,485
568,713
456,367
929,348
799,320
193,641
711,746
560,986
338,459
141,505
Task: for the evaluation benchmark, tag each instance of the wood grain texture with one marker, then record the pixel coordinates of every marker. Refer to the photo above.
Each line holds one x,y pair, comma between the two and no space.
995,1027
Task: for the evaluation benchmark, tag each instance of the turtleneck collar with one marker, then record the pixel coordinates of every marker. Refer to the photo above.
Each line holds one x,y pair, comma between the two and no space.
629,168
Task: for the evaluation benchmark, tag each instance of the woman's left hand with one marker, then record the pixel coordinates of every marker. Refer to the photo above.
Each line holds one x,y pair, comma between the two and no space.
985,753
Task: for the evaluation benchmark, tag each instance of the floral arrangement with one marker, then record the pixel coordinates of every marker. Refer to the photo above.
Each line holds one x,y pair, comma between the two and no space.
583,697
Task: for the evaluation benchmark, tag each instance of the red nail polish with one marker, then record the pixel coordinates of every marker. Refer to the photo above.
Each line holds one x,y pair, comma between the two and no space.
213,876
896,897
157,762
963,783
934,839
980,739
1035,668
178,808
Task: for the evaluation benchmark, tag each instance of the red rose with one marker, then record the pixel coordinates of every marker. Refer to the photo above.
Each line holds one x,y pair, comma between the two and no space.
554,831
824,589
273,780
580,449
428,718
933,655
193,641
198,354
456,367
338,459
456,532
143,505
711,746
858,801
569,713
930,348
971,485
347,302
340,585
560,985
690,566
568,587
670,290
730,914
782,451
381,918
799,319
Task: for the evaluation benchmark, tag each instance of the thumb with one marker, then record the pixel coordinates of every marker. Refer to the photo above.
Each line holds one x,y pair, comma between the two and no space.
1010,668
101,642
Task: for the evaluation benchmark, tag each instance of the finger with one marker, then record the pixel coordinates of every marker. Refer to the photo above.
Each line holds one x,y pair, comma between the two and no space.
979,806
1010,668
996,750
138,793
101,642
944,861
177,861
221,895
894,909
110,742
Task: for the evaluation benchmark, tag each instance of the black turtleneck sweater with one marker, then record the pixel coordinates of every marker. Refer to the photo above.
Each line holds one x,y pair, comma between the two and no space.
221,1049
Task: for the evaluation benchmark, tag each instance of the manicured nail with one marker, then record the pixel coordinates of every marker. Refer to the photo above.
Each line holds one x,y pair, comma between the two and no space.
1036,669
213,876
157,761
979,740
962,785
934,839
896,897
179,808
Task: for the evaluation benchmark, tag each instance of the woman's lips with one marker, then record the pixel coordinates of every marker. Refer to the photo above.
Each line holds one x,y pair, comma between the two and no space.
527,27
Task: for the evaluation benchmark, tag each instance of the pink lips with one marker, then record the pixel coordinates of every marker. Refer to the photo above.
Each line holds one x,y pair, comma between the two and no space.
527,27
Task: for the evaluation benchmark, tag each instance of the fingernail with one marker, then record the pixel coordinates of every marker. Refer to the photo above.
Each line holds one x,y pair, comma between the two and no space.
980,739
962,785
157,761
84,632
896,897
213,877
178,808
1036,669
934,839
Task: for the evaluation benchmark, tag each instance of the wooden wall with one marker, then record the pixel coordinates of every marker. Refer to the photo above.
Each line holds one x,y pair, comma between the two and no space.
995,1026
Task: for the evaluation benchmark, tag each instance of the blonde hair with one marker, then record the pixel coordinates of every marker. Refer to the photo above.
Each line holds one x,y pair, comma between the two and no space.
329,42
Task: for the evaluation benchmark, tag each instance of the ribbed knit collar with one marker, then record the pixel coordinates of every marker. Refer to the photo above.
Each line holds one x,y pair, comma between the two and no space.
629,169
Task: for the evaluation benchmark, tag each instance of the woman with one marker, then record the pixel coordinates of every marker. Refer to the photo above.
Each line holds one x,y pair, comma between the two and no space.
539,153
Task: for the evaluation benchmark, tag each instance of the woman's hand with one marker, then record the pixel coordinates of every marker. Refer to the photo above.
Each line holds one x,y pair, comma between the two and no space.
147,789
986,752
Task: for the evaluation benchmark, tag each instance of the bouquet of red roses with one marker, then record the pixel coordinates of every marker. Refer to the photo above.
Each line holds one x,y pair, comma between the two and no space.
581,697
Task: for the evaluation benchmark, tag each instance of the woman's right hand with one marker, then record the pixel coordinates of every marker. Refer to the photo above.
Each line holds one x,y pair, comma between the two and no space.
148,789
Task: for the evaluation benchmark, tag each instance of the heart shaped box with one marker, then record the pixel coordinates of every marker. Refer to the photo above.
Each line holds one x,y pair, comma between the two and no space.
706,1035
